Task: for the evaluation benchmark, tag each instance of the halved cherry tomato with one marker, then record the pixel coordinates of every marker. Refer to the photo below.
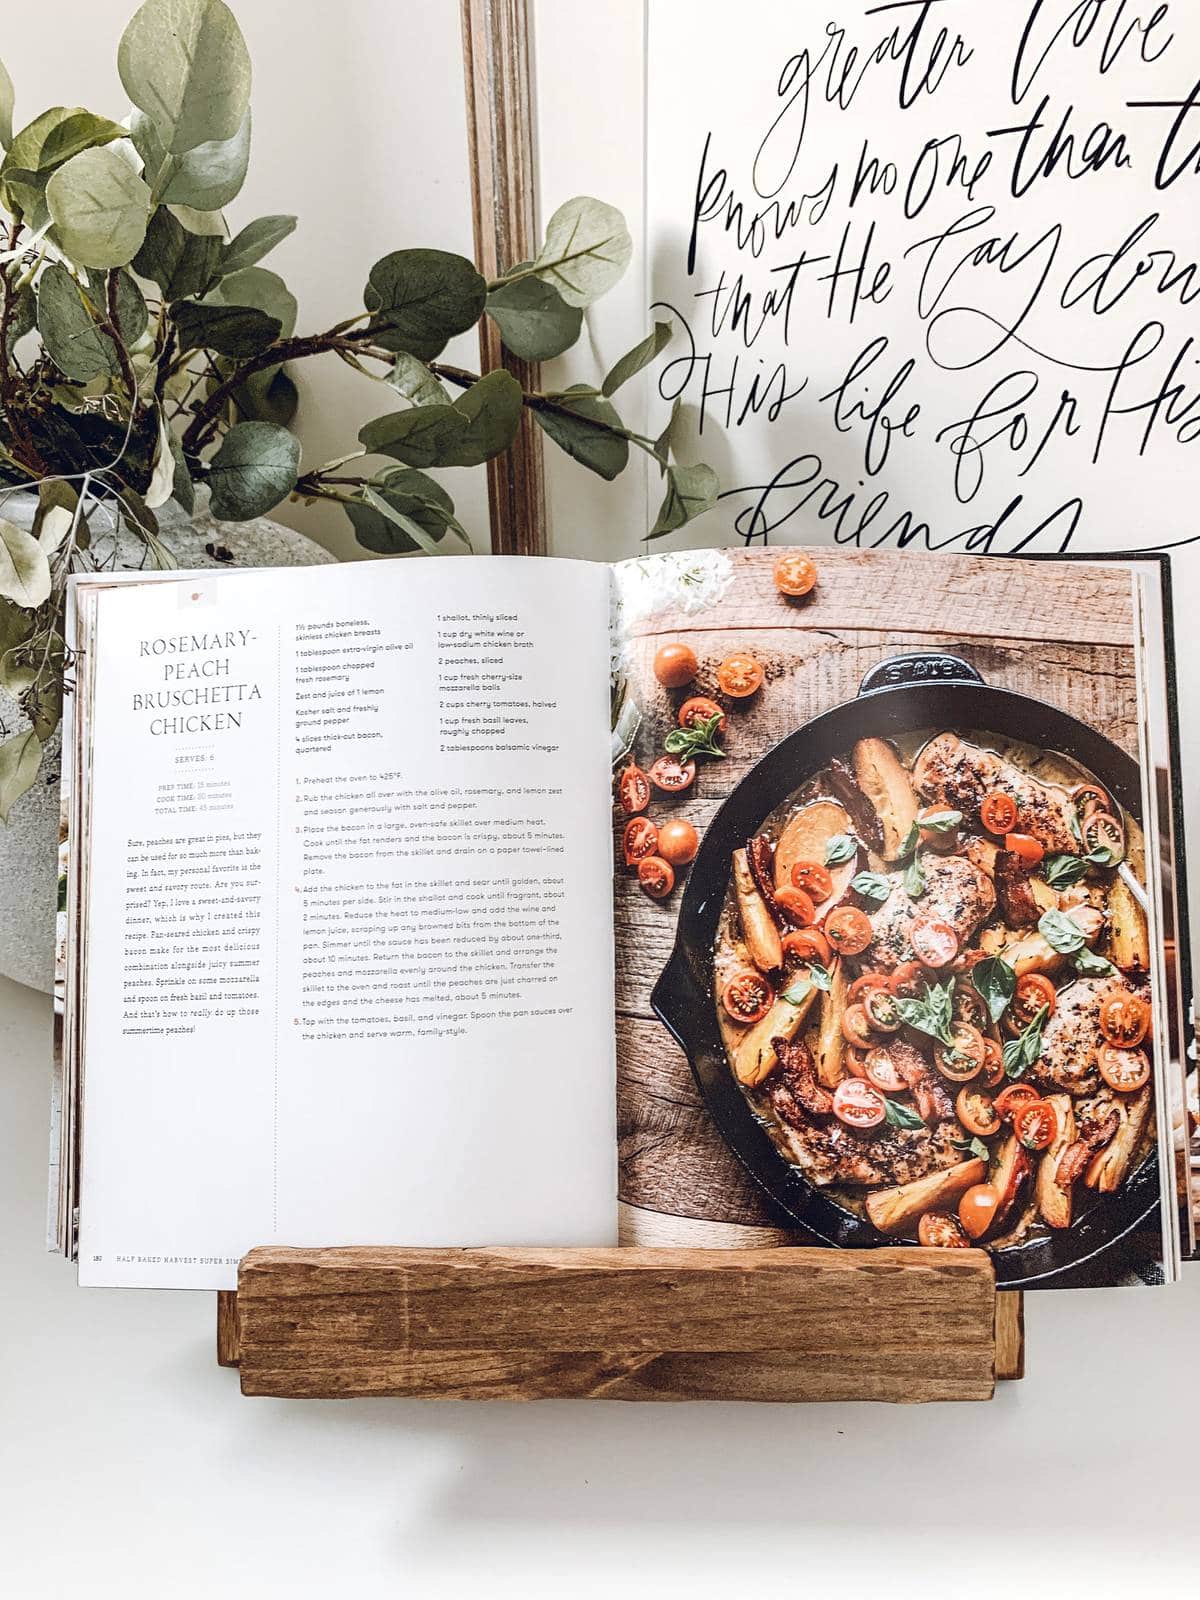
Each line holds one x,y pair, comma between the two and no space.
856,1028
1035,1123
678,841
675,665
1028,850
968,1005
795,574
796,906
938,1230
1089,797
856,1061
1124,1019
977,1209
993,1064
1009,1101
998,812
977,1113
883,1072
671,775
962,1060
747,997
656,876
1123,1070
740,676
1103,832
935,943
908,979
640,840
861,987
633,789
1033,991
813,878
701,709
848,930
857,1104
807,944
882,1011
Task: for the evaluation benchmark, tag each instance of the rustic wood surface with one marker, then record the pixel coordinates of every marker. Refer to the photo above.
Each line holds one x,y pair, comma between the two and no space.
781,1324
1059,633
228,1341
500,143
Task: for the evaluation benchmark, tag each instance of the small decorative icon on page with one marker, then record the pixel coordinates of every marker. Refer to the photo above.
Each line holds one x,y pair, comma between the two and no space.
196,594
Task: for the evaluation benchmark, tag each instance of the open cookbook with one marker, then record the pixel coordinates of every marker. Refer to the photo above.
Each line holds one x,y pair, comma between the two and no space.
893,947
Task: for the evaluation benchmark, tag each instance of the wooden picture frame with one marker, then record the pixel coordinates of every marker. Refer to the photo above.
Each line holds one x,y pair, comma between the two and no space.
497,62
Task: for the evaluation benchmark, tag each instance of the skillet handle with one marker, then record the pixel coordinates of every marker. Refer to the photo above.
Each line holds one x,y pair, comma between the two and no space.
922,666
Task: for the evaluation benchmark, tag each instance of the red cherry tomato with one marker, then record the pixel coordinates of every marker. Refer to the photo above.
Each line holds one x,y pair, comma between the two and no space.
935,943
675,665
977,1209
883,1072
977,1113
807,944
1104,834
701,709
815,879
908,979
998,812
1028,850
1035,1123
848,930
656,876
796,906
992,1074
747,997
795,574
962,1060
1124,1019
861,987
678,841
1033,991
671,775
1009,1101
856,1029
882,1011
857,1104
640,840
1123,1070
740,676
633,789
938,1230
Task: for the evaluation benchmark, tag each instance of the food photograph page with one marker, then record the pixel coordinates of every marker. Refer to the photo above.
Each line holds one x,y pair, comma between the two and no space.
895,909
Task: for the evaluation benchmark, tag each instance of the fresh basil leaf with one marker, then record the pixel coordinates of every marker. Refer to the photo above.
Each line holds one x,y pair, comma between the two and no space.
931,1013
798,992
1021,1053
978,1148
900,1115
995,983
941,821
872,886
1090,965
842,847
911,840
914,879
1061,933
821,976
1061,872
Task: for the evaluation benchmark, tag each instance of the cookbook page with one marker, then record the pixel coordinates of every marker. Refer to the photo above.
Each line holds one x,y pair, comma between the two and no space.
892,962
349,964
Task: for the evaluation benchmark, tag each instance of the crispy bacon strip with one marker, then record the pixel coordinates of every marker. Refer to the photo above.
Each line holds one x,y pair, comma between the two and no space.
1076,1156
859,809
762,869
1017,904
796,1090
933,1101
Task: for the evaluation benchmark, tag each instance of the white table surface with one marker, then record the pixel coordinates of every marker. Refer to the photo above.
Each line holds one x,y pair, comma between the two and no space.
130,1465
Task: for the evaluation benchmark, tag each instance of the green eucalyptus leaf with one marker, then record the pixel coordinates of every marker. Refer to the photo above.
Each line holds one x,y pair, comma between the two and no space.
413,379
24,569
582,425
185,64
234,331
257,239
8,100
419,299
20,758
100,208
206,178
183,490
405,511
255,467
68,329
183,264
23,319
691,491
268,396
639,357
58,135
535,322
261,289
479,425
666,443
25,191
162,477
586,251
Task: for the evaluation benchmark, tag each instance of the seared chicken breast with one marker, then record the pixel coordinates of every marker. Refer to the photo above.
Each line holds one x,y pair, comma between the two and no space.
1072,1037
956,891
950,772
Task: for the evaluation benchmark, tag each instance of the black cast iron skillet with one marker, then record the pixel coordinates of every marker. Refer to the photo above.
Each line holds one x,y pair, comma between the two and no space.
903,694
